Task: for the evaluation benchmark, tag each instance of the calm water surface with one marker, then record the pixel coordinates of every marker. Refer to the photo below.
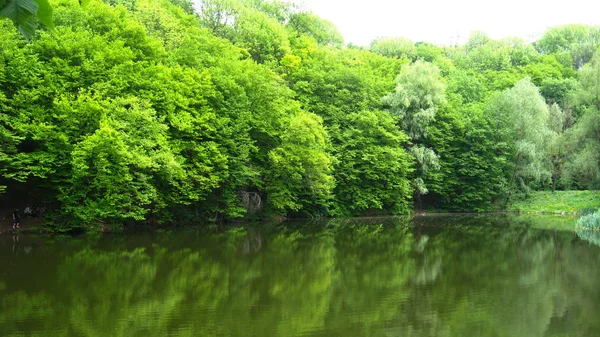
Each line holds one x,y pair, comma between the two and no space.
430,276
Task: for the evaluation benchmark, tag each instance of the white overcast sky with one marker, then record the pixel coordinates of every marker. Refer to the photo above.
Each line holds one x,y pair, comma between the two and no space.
442,21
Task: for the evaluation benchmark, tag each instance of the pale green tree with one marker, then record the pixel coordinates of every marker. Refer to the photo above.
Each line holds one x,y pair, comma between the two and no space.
559,121
397,47
578,42
522,119
419,92
584,137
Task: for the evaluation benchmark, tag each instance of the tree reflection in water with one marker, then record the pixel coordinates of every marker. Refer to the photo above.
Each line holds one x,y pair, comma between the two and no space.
429,276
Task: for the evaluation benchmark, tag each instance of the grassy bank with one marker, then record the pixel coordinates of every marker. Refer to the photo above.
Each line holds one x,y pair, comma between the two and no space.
558,202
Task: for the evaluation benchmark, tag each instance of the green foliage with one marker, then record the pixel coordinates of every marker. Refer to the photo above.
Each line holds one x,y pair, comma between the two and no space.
523,123
578,41
300,176
418,93
323,31
473,173
468,84
156,111
261,35
396,47
345,87
559,91
428,52
372,167
589,228
245,25
583,165
23,13
544,69
121,170
558,202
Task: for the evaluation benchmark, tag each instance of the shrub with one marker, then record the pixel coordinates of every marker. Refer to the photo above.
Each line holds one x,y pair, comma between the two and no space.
589,228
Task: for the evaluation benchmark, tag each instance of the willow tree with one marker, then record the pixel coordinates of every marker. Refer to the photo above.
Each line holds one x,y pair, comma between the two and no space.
522,120
419,92
584,163
560,120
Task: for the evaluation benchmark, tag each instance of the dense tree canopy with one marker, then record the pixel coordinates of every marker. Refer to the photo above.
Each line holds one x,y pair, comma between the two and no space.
132,111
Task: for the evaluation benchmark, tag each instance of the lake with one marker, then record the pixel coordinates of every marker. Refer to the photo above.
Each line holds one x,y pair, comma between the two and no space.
482,275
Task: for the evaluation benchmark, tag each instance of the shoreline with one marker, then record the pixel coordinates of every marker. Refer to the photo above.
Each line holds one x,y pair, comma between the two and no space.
39,229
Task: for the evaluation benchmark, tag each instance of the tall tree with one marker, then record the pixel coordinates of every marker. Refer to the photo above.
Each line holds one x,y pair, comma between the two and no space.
560,120
584,164
419,92
300,175
522,120
373,168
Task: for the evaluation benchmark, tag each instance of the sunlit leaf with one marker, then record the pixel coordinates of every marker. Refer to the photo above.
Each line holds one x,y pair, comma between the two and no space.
45,13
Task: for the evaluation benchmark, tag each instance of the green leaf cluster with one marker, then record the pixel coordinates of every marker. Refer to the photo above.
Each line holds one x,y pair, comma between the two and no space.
161,111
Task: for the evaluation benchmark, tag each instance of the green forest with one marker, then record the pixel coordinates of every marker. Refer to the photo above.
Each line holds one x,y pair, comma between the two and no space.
161,111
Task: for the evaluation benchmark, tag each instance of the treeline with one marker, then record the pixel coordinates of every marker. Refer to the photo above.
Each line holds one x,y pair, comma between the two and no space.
158,111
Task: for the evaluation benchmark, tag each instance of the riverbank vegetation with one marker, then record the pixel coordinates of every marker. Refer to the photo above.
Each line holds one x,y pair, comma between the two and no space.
158,111
589,228
570,202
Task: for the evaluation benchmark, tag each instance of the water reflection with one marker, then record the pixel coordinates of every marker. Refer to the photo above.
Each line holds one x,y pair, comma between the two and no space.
433,276
590,235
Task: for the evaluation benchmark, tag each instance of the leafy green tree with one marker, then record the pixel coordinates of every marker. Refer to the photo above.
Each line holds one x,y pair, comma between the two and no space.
281,11
469,84
579,42
323,31
418,94
218,15
264,38
300,178
372,167
260,98
560,120
559,91
473,166
428,52
119,170
414,103
476,40
546,68
397,47
584,163
344,87
522,119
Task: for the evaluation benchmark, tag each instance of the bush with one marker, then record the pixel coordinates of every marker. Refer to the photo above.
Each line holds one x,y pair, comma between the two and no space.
589,228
